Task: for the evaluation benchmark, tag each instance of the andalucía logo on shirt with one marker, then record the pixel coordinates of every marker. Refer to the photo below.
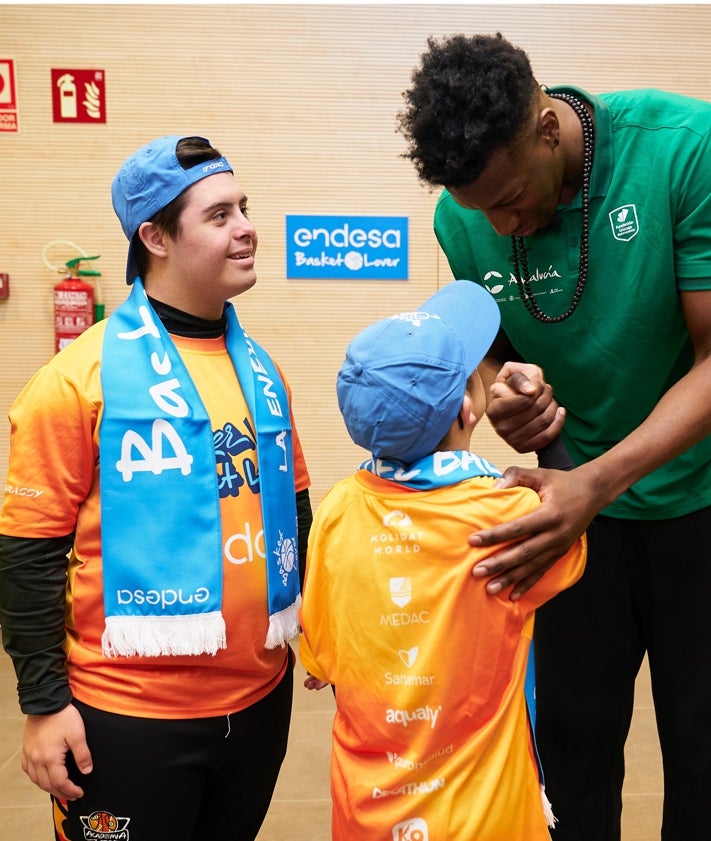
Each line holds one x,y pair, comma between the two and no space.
624,221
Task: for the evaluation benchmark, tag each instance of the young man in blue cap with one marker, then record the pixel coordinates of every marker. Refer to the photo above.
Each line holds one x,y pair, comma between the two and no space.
149,585
432,736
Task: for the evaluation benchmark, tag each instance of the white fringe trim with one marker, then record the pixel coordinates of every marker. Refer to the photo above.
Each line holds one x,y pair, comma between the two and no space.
548,809
284,625
157,636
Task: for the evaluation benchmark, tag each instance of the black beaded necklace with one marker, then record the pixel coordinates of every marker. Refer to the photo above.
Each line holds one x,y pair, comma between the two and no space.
519,253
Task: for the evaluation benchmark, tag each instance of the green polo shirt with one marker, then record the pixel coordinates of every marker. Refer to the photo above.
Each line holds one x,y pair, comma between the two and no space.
649,237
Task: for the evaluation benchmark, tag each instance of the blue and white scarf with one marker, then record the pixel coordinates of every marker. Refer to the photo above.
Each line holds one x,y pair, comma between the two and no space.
434,471
161,528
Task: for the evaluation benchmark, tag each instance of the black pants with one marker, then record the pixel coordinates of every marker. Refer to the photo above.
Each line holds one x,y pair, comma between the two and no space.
646,588
188,780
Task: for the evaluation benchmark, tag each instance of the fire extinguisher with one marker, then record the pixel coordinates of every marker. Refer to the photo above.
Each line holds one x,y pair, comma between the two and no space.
73,303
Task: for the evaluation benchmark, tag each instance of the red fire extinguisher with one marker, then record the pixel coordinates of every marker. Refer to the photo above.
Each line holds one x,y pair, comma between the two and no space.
73,303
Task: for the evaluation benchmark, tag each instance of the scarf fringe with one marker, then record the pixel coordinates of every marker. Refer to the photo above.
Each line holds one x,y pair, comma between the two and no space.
284,625
157,636
548,809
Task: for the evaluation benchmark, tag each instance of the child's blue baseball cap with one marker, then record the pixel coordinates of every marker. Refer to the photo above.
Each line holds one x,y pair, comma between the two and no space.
404,377
149,180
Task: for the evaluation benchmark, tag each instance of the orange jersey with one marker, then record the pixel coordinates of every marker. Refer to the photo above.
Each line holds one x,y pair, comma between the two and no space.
431,739
53,490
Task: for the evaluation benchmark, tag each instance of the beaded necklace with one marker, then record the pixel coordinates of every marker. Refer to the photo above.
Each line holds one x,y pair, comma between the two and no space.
518,246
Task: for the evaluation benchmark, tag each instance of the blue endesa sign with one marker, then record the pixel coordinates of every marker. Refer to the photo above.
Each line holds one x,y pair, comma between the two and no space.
346,247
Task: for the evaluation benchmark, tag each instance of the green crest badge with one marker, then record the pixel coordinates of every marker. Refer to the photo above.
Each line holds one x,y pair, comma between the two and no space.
625,225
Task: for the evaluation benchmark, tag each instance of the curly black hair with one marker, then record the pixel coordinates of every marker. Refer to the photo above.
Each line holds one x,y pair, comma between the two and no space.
470,96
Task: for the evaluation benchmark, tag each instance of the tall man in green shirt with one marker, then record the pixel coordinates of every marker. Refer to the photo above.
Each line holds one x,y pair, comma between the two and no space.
588,218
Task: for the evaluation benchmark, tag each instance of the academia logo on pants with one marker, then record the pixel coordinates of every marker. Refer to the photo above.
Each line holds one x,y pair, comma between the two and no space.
414,829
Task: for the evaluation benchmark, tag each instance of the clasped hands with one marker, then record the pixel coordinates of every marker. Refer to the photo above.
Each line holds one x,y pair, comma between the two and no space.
523,411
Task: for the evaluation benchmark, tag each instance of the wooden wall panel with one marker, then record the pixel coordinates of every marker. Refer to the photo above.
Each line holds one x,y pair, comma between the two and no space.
302,99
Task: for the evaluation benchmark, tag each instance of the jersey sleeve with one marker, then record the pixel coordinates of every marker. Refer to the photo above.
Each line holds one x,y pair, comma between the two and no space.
314,620
511,503
301,472
563,574
690,193
316,646
53,454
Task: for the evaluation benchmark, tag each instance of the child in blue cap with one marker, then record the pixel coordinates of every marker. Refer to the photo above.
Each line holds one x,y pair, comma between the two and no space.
432,737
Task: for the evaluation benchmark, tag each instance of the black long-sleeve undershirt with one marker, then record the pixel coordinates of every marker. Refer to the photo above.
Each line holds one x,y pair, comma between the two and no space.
33,581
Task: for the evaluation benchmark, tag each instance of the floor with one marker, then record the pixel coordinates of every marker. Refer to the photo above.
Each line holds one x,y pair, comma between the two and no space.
300,808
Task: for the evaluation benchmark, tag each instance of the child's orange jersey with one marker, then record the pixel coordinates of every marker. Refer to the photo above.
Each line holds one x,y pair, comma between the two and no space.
431,740
53,489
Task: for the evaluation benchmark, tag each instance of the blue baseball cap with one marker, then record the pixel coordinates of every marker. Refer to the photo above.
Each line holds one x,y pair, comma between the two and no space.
402,383
149,180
